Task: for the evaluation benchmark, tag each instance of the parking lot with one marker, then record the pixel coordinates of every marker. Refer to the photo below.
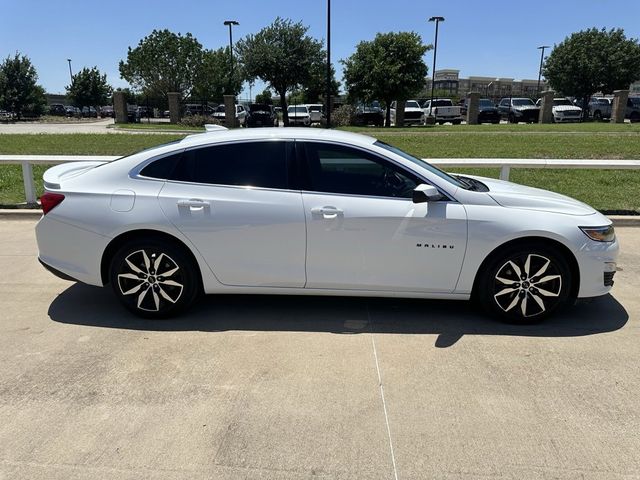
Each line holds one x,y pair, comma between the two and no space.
295,387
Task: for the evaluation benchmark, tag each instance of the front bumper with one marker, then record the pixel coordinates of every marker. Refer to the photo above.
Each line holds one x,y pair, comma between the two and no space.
597,264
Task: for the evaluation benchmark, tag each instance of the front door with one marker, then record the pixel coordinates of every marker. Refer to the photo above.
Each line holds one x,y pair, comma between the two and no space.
365,233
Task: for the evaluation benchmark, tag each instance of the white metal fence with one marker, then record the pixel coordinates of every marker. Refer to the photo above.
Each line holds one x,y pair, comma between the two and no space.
504,164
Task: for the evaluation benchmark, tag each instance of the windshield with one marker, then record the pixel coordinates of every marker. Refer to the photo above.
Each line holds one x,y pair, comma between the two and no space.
523,102
411,104
220,109
297,109
315,108
257,107
421,163
561,101
486,103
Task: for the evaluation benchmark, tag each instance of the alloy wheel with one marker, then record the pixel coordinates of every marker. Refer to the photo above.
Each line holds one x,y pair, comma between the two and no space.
527,285
150,280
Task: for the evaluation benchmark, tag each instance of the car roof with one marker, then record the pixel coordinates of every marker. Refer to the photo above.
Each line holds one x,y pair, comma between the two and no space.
219,136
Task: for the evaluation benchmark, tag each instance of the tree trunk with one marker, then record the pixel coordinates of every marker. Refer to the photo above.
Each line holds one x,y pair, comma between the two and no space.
585,108
283,105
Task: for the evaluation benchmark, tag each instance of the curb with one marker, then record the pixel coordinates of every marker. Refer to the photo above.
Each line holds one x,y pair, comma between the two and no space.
35,214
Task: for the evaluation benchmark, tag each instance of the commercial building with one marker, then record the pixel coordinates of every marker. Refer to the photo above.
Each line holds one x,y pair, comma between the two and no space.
449,81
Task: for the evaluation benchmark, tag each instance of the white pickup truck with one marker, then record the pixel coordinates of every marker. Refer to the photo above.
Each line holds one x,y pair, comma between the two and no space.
444,111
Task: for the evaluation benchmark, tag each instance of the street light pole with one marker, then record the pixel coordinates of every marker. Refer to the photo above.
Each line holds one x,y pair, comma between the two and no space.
230,24
542,49
328,99
70,74
435,53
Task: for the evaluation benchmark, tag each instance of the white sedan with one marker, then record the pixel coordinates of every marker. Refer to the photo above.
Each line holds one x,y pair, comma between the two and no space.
316,212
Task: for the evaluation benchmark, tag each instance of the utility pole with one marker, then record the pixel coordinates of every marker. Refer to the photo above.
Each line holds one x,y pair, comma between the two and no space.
230,24
70,74
542,49
435,53
328,100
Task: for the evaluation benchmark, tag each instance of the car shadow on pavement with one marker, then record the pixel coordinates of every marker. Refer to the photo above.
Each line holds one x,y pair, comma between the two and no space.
450,320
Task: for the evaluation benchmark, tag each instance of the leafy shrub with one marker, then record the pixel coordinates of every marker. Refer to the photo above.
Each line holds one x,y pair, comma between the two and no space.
343,116
198,121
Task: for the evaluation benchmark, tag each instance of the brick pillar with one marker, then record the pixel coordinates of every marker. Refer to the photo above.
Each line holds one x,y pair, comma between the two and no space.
175,113
400,104
546,107
230,111
120,107
619,108
473,108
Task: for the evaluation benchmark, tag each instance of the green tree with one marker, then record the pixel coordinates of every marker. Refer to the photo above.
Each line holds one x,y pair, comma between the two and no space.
315,89
89,88
213,78
593,61
388,68
282,55
163,62
264,97
19,91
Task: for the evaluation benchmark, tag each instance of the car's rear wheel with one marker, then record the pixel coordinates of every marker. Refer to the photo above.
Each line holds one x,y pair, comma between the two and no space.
154,278
512,118
525,283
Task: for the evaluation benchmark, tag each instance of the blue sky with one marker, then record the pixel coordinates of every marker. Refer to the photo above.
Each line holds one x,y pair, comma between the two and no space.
488,38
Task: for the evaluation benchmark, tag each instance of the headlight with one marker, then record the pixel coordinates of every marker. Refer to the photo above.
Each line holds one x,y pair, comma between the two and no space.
600,234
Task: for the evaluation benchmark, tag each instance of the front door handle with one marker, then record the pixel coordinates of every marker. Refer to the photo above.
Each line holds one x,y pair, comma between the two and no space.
327,212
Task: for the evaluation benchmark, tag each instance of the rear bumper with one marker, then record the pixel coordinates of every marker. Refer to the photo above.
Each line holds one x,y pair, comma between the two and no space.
56,272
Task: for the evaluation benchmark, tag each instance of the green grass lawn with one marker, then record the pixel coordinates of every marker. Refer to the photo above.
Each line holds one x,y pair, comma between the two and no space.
604,189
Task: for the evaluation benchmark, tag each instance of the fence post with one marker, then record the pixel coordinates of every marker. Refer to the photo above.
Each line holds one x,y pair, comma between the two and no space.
120,114
230,111
473,108
619,108
29,187
504,172
546,107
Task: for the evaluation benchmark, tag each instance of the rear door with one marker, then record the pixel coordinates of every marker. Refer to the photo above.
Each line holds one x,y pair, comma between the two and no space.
234,203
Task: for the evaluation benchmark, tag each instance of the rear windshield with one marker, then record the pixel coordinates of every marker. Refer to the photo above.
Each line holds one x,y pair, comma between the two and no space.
521,102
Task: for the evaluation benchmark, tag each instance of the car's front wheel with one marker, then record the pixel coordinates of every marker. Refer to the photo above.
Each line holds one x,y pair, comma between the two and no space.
525,284
154,278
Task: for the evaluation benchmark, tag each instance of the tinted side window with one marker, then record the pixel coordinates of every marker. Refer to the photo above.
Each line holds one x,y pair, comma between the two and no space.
337,169
255,164
161,168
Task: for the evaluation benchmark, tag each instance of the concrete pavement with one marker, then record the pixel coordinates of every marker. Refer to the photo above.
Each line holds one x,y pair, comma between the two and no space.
287,388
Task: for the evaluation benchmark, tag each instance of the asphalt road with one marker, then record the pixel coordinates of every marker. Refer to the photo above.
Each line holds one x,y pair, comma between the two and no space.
290,388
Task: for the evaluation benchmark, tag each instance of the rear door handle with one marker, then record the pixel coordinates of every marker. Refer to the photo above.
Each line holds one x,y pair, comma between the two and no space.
327,212
193,204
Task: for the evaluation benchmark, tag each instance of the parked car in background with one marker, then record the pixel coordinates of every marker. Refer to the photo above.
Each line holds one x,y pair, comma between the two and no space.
240,211
487,111
71,111
299,115
132,114
564,110
241,114
57,109
519,110
444,111
600,108
145,112
261,115
316,112
198,109
89,112
369,115
6,116
107,111
412,113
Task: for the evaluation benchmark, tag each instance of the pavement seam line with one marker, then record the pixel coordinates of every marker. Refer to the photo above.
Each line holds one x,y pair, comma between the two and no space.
384,403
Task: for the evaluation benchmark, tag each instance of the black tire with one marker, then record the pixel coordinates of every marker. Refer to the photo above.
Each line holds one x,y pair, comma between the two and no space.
134,278
512,118
597,116
512,291
635,117
457,122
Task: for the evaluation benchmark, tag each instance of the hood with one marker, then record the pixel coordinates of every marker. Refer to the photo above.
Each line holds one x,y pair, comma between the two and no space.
512,195
525,107
566,108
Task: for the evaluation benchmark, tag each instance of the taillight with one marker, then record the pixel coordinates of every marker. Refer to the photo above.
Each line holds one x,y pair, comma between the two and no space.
50,200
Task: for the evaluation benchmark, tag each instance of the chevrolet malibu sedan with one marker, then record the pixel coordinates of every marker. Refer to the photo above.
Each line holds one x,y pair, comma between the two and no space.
316,212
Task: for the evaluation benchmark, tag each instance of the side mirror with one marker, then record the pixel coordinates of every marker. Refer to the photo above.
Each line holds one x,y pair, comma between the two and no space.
426,193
